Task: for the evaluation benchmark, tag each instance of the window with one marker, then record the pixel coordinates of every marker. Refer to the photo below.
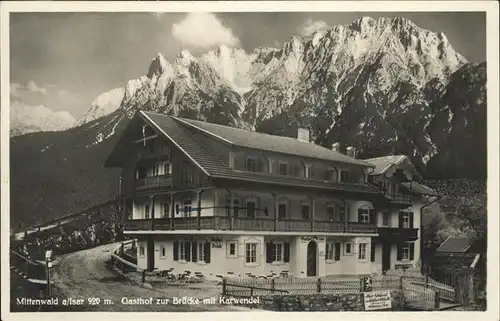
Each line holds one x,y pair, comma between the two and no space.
330,250
282,211
343,175
342,211
251,253
146,211
385,218
405,251
187,207
156,170
182,250
166,168
364,215
236,207
405,219
250,208
271,164
372,252
330,212
362,251
307,170
305,211
162,251
283,168
231,249
141,250
165,209
201,251
251,164
232,158
278,252
348,248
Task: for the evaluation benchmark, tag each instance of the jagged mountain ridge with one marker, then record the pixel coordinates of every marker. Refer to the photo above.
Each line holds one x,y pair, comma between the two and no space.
392,96
373,71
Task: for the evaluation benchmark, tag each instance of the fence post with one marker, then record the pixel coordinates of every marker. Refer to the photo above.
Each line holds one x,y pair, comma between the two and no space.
224,287
143,276
251,291
361,285
272,285
400,282
436,300
318,284
426,281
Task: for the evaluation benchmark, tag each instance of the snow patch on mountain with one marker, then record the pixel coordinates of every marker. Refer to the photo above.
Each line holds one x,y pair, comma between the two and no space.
105,104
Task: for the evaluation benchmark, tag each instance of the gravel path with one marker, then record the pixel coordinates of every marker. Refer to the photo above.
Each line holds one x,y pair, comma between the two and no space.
84,275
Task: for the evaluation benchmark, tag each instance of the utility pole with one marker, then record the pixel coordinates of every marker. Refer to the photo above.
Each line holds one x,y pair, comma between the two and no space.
48,265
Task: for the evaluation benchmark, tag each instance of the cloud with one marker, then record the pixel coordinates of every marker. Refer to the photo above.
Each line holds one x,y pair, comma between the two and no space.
26,118
32,87
18,90
203,30
310,26
15,89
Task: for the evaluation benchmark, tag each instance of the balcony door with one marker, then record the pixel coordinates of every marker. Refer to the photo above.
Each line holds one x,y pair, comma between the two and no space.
386,256
312,249
150,254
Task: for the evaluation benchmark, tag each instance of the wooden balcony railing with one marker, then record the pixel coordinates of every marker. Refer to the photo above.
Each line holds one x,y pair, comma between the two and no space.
399,198
398,233
248,224
161,181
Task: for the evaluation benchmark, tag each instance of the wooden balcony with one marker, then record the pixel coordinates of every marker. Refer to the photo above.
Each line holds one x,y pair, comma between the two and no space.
153,182
248,224
398,233
397,198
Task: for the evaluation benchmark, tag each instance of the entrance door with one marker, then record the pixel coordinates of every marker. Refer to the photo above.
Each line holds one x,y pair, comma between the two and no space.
150,254
312,249
386,256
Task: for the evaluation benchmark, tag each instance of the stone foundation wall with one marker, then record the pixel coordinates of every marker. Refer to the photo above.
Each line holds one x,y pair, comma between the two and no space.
322,302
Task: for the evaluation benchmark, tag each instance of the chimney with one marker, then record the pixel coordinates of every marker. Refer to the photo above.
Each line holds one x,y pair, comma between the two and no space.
303,134
351,152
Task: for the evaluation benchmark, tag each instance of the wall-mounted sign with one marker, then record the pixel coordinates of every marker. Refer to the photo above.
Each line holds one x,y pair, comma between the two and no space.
216,242
378,300
312,238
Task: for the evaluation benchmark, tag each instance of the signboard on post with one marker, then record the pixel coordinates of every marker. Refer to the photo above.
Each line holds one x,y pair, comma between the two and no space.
378,300
48,255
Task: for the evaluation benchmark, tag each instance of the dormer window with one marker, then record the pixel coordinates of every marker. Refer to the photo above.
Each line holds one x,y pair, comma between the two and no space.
343,175
232,158
308,170
251,165
283,168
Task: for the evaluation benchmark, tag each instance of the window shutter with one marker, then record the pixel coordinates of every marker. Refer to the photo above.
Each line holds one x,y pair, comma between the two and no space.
359,215
400,219
399,253
194,252
176,251
188,251
269,252
372,253
411,219
373,217
286,254
412,250
206,250
337,252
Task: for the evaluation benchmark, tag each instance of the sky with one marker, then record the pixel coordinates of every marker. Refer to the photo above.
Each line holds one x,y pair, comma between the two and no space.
60,62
